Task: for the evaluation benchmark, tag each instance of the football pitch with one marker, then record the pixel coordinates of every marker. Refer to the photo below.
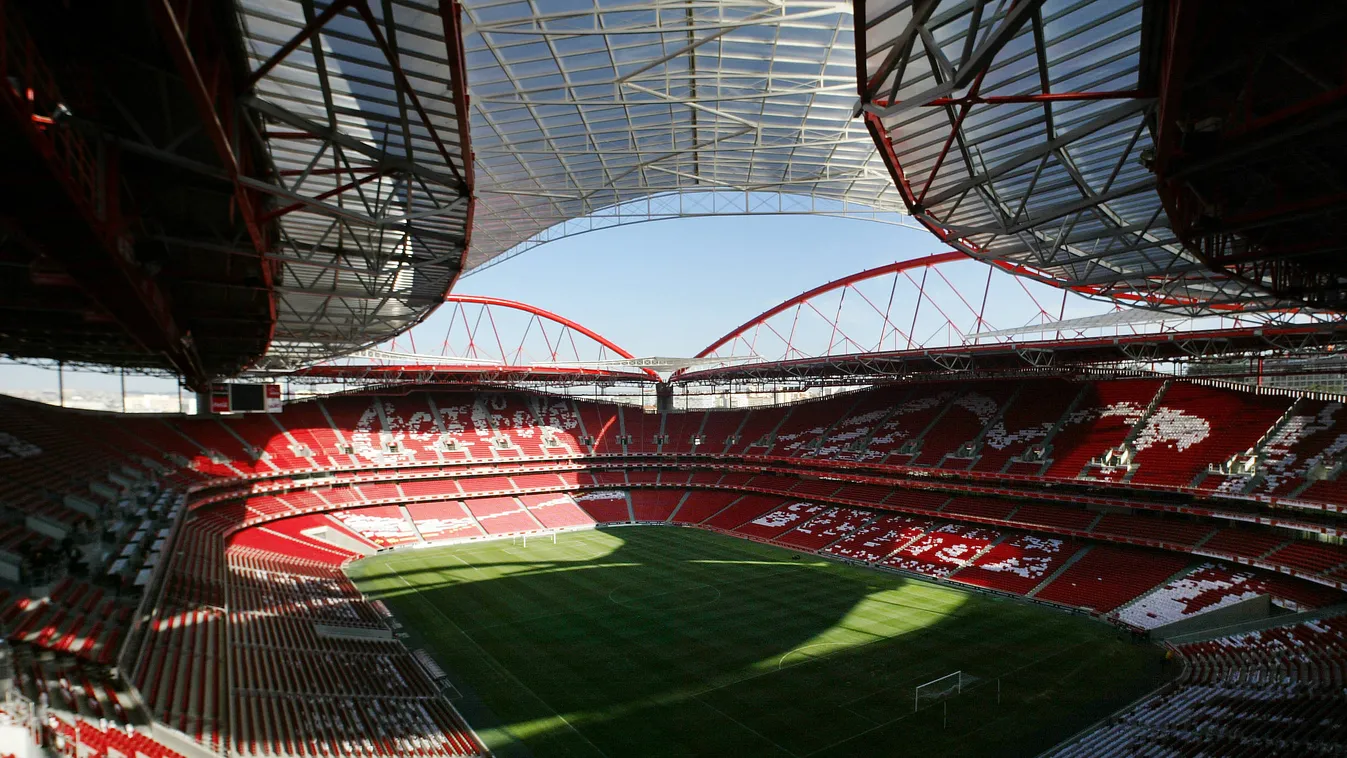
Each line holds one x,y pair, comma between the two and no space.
662,641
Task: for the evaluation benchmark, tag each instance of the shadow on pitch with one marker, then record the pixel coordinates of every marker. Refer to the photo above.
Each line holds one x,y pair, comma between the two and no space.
662,641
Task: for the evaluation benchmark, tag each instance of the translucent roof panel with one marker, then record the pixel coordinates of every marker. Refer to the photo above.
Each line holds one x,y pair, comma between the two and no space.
1019,132
361,106
580,106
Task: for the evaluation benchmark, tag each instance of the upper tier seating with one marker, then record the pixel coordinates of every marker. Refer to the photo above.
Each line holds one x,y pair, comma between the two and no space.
904,426
1102,418
1303,441
755,435
1192,427
805,427
847,439
1027,421
1179,439
968,414
512,419
602,426
680,431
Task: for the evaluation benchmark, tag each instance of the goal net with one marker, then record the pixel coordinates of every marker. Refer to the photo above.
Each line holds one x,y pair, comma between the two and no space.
936,690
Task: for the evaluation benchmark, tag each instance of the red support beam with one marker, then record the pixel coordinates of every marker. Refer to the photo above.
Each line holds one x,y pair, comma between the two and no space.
202,60
98,254
1051,97
542,313
330,193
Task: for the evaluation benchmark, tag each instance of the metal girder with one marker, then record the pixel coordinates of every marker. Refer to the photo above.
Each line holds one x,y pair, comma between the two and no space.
95,249
1041,104
971,64
1246,155
363,107
590,110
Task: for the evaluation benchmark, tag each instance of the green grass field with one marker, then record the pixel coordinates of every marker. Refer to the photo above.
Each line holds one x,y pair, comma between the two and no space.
657,641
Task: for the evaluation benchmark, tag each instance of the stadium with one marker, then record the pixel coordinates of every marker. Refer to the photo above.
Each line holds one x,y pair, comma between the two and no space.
1042,459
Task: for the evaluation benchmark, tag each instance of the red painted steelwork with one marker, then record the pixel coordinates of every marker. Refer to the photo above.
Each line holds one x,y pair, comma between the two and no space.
200,57
846,281
540,312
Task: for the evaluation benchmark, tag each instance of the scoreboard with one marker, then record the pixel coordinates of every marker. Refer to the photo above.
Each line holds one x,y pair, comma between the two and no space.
245,398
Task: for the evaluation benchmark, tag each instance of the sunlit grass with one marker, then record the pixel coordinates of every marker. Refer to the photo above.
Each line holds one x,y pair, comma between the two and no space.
662,641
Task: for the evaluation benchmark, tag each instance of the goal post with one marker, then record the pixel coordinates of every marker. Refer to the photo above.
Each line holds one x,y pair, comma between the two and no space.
939,689
523,539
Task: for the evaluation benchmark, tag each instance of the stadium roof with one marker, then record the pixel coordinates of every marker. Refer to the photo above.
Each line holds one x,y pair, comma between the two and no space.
364,110
1021,133
583,105
347,196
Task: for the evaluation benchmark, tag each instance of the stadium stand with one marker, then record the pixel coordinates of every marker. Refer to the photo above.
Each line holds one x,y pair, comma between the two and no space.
826,527
269,536
1276,691
1214,585
1018,563
1105,577
943,550
779,521
879,539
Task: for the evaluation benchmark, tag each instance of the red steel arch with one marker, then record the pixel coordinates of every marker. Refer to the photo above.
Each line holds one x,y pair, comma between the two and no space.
541,313
495,337
846,281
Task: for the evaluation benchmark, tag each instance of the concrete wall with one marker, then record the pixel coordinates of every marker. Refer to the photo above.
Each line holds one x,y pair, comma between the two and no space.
1253,609
359,634
343,541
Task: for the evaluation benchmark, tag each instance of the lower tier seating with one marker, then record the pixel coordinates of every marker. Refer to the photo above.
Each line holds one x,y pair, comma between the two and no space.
943,550
289,687
1216,585
1107,576
826,527
1018,564
1277,691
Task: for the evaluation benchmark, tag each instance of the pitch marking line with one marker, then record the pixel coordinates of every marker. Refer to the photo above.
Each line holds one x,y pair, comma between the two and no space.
456,557
746,727
497,664
781,663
